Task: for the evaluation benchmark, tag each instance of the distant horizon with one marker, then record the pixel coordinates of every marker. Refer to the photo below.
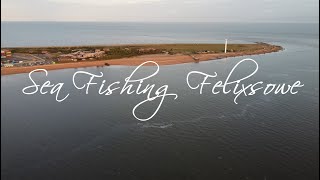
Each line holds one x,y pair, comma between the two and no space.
248,22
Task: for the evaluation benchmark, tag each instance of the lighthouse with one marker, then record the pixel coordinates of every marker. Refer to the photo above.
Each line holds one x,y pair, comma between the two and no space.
225,46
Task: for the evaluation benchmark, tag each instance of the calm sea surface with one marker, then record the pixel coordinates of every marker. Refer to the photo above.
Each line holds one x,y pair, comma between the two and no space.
194,137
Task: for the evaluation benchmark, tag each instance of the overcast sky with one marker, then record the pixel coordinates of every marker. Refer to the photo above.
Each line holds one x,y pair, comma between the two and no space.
161,10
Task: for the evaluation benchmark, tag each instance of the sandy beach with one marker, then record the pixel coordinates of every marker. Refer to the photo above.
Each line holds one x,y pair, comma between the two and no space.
161,59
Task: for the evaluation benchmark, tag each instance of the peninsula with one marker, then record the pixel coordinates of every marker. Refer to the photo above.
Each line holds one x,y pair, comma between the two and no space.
24,60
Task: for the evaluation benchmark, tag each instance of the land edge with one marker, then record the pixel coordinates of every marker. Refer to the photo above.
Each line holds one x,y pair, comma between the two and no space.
160,59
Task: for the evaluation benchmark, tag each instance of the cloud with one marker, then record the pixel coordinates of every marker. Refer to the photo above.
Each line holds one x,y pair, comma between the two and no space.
161,10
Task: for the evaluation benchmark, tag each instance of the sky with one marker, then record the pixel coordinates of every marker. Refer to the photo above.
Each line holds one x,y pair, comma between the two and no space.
293,11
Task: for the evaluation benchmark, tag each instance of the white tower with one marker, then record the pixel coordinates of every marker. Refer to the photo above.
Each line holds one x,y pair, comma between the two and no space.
225,46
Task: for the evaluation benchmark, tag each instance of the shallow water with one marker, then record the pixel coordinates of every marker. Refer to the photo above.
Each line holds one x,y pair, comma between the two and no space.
194,137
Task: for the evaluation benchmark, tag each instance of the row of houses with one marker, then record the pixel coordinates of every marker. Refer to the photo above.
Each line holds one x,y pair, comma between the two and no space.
82,55
24,64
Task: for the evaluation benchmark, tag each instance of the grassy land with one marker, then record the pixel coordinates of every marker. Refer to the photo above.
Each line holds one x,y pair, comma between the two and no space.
117,55
122,51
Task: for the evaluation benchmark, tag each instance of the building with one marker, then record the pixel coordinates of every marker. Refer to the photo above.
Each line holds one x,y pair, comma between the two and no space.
6,54
3,54
8,65
81,55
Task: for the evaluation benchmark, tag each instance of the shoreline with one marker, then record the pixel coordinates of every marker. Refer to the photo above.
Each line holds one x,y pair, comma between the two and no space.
161,59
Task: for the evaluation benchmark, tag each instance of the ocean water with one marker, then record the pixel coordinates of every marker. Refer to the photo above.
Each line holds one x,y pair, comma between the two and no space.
194,137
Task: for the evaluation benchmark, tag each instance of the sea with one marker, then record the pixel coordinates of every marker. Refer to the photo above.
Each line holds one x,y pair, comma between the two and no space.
196,136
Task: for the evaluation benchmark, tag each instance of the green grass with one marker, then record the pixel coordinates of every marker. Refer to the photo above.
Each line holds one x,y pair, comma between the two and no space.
177,48
122,51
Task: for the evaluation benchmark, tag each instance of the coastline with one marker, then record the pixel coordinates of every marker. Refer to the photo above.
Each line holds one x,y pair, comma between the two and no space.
161,59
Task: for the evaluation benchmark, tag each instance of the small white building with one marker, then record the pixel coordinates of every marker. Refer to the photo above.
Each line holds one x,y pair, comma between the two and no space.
8,65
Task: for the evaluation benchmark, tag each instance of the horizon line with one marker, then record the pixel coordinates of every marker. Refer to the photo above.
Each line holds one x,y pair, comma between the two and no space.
261,22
